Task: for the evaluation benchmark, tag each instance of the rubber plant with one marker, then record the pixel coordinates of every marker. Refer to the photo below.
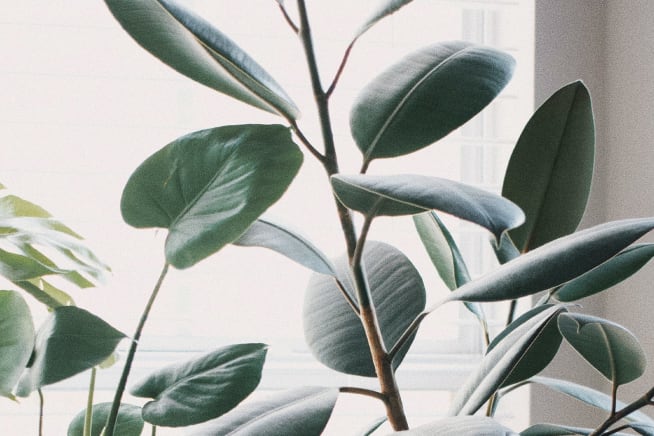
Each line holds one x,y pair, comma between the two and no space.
362,310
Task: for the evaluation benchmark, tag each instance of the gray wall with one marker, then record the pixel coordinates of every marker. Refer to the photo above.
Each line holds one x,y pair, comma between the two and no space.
610,45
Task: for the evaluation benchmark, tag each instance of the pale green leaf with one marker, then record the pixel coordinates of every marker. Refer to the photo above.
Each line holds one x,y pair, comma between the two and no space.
16,340
382,10
460,426
128,423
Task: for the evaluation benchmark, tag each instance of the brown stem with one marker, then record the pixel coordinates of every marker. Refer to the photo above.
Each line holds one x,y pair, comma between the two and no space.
362,391
645,400
41,407
288,18
341,67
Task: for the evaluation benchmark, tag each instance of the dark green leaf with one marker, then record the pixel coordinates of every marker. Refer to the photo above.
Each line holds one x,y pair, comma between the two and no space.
288,242
297,412
460,426
195,48
610,273
203,388
207,187
382,10
16,340
506,250
425,96
610,348
129,421
502,363
370,428
70,341
550,170
333,330
411,194
555,263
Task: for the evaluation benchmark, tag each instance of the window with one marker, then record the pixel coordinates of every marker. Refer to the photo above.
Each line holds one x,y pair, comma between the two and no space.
83,105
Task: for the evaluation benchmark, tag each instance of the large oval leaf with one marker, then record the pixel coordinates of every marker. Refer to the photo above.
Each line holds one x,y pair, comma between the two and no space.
610,348
610,273
128,423
425,96
297,412
410,194
16,341
334,332
554,263
207,187
275,236
203,388
195,48
70,341
502,363
460,426
551,168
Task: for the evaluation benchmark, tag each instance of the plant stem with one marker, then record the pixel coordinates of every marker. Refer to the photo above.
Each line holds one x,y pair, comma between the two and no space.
362,391
113,415
511,314
645,400
88,416
41,407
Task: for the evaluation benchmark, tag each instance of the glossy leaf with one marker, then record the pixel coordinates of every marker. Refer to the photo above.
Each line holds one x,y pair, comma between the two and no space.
207,187
128,423
425,96
16,341
297,412
382,10
550,170
193,47
610,348
70,341
411,194
203,388
460,426
610,273
333,330
267,233
555,263
503,363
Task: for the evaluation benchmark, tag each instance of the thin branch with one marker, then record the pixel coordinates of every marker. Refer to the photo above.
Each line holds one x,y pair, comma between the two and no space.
353,304
305,141
41,408
614,397
341,67
511,315
361,391
88,417
645,400
288,19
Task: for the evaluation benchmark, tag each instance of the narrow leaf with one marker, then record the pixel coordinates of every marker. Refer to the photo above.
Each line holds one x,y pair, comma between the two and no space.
551,168
16,341
411,194
610,348
286,241
460,426
207,187
383,9
203,388
193,47
297,412
128,423
425,96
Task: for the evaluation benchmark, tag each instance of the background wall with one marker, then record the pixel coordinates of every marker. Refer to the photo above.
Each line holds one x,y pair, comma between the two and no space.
609,44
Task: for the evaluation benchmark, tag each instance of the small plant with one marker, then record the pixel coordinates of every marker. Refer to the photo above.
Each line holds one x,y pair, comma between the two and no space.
210,188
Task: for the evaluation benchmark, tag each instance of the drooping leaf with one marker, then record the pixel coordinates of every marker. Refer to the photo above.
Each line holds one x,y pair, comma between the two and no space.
296,412
70,341
502,363
555,430
273,235
425,96
411,194
610,348
16,267
550,170
207,187
554,263
610,273
203,388
334,332
382,10
193,47
16,340
460,426
128,423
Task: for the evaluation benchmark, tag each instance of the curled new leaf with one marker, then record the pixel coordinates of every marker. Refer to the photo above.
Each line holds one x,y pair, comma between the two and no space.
207,187
198,50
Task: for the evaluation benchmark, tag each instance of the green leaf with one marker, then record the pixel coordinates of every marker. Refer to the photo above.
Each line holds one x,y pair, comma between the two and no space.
502,363
555,263
16,267
550,170
610,348
70,341
267,233
203,388
610,273
555,430
16,341
425,96
382,10
370,428
193,47
643,429
411,194
129,421
506,249
460,426
12,206
207,187
297,412
332,329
